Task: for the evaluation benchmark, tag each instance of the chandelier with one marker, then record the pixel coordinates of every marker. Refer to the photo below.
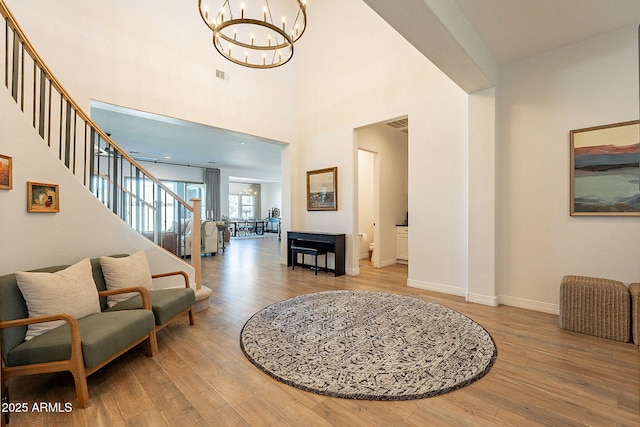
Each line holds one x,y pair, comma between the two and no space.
258,34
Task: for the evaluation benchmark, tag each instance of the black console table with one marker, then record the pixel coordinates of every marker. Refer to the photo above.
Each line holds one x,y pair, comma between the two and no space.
329,242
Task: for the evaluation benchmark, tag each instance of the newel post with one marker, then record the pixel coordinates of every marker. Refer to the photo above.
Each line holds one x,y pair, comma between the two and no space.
196,242
202,292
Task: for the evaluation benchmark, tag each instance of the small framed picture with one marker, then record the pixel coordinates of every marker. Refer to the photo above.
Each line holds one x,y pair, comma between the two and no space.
42,197
322,190
6,172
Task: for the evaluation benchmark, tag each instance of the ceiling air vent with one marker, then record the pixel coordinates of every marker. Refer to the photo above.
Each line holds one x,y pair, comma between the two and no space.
222,75
402,125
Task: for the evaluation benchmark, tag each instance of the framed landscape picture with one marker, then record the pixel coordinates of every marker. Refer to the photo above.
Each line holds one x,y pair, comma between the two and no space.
322,190
42,197
6,172
605,170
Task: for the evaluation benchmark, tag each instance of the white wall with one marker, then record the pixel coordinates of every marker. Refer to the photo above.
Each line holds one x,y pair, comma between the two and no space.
271,193
83,227
121,53
337,90
540,100
482,198
363,72
438,189
357,73
155,56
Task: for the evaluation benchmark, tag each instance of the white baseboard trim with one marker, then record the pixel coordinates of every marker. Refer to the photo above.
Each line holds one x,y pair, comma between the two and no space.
528,304
387,263
493,301
445,289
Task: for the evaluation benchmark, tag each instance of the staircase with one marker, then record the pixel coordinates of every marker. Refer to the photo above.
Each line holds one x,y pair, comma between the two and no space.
116,179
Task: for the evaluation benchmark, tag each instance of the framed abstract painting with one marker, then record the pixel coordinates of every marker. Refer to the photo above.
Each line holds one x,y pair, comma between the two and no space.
605,170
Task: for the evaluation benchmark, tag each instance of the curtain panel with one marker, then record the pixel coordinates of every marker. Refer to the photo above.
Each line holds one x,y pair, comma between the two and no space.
212,193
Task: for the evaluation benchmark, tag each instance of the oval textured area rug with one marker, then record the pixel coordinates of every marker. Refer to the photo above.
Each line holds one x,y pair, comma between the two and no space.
367,345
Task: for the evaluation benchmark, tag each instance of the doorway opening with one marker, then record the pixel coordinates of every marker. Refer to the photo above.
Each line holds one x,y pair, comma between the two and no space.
366,204
383,189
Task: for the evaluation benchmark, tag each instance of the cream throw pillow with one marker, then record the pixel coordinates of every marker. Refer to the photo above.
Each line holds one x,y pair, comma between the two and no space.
70,291
124,273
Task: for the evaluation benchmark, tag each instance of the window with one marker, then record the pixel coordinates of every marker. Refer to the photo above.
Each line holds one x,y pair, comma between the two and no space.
244,200
234,205
241,206
191,191
247,207
143,197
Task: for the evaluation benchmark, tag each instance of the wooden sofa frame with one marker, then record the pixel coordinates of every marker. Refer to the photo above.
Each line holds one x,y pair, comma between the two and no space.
190,311
75,364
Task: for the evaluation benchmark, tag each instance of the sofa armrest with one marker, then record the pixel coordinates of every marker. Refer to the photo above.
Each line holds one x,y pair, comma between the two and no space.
74,329
73,323
144,294
184,275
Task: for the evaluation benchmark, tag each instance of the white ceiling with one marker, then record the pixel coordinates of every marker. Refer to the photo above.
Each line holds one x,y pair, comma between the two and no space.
517,29
151,137
510,29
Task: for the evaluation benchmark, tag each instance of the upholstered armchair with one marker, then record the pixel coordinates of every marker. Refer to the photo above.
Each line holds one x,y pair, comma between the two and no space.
208,235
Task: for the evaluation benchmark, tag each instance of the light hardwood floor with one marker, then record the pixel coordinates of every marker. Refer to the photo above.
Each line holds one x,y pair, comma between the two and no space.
200,377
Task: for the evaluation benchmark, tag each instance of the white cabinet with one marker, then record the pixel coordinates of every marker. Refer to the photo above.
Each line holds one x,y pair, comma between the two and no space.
402,244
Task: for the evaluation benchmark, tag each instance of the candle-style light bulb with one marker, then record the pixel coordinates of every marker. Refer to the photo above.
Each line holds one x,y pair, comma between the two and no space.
264,13
242,10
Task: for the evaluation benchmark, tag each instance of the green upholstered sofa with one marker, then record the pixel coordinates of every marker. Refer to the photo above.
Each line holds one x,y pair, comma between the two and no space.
84,345
166,304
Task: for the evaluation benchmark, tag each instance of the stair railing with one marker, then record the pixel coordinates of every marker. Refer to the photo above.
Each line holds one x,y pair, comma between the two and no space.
114,177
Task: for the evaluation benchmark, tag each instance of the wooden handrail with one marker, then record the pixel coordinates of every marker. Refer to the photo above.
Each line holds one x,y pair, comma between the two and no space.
124,190
74,122
13,24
